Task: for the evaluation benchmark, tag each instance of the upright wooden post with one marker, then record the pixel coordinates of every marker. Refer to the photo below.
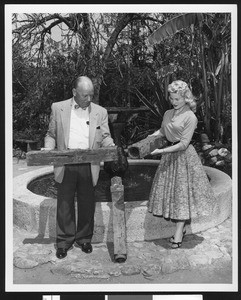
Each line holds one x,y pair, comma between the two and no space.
119,223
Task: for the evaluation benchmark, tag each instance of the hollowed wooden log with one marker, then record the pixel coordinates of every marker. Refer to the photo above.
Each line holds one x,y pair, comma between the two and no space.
146,146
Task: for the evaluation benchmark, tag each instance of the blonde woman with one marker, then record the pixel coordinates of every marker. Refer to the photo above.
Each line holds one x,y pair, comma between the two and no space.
180,189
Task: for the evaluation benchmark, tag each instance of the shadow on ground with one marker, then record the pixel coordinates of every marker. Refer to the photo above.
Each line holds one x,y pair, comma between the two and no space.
110,247
39,239
189,242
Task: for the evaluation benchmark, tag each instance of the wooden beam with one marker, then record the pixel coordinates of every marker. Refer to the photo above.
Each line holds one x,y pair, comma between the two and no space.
75,156
26,145
146,146
114,110
119,222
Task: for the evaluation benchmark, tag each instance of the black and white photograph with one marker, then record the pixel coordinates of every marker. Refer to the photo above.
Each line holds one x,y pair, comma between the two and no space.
121,143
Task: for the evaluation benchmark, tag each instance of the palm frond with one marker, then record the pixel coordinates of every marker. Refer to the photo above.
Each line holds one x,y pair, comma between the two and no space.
173,26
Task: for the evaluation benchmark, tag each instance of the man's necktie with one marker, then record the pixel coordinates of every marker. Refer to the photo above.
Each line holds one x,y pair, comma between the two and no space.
77,106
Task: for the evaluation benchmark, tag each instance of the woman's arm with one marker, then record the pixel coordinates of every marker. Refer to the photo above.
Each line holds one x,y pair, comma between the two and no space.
190,125
160,132
157,133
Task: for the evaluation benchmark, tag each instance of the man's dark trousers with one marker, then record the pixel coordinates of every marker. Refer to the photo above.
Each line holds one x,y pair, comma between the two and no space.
77,178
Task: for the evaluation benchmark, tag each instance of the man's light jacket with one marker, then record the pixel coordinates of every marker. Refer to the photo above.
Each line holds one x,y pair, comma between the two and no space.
58,132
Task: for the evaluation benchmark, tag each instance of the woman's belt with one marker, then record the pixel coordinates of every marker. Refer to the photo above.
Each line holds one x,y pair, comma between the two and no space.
171,143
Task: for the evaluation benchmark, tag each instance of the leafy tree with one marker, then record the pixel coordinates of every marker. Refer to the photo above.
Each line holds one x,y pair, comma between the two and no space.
112,49
205,63
89,46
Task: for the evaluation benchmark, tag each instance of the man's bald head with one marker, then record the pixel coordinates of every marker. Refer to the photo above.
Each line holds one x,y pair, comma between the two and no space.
83,91
83,81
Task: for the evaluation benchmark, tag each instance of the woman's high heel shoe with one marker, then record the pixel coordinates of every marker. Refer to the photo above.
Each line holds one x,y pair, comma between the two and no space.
171,240
176,245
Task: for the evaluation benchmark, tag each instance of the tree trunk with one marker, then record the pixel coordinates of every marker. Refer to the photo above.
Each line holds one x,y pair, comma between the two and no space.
123,20
86,34
206,98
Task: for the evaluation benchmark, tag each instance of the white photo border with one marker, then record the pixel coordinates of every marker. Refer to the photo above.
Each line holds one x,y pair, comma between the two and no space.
9,10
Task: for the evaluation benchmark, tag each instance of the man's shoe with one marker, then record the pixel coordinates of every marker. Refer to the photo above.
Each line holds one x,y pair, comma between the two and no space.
62,252
120,258
85,247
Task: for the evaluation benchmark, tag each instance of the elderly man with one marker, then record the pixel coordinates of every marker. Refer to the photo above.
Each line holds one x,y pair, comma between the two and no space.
77,123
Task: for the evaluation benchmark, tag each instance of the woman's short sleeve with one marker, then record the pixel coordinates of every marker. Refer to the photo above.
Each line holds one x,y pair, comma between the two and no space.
190,123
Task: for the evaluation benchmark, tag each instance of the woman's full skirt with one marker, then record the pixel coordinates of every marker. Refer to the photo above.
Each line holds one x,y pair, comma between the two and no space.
181,189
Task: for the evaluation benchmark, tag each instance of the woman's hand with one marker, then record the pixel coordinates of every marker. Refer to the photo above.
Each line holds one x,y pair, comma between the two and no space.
156,152
154,133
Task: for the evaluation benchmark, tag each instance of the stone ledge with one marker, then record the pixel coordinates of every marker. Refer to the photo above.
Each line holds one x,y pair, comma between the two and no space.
37,213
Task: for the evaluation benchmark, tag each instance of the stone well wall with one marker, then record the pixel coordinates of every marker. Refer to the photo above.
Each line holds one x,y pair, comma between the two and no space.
37,213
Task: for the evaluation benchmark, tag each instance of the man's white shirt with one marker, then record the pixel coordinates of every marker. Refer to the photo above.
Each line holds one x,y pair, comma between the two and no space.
79,128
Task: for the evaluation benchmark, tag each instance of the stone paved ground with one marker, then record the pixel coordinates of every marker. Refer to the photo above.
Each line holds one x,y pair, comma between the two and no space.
212,248
204,258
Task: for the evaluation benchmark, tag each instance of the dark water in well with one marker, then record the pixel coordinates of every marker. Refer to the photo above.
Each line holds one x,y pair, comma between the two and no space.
137,184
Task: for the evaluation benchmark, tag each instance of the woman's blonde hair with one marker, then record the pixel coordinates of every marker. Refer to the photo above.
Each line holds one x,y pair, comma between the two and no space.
180,87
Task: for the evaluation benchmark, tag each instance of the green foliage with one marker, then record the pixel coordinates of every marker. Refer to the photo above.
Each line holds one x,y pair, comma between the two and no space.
199,51
175,25
132,75
35,88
